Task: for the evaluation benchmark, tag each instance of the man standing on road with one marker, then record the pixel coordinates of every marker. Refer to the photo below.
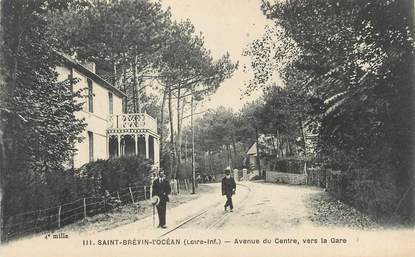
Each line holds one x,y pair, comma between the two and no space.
162,189
228,189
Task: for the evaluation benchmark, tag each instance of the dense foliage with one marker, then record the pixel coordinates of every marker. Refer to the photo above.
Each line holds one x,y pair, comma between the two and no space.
351,63
38,125
64,186
98,186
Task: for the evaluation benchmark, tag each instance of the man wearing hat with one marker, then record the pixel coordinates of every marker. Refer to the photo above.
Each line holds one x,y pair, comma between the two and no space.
228,188
161,189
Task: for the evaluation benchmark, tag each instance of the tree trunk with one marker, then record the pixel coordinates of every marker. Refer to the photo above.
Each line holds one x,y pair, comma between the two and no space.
180,125
228,151
124,79
280,145
173,150
274,149
178,139
303,134
185,149
3,90
210,161
234,150
114,79
193,146
163,103
139,105
135,87
9,159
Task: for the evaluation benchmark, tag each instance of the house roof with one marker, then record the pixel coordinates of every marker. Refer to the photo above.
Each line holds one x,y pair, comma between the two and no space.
95,77
252,149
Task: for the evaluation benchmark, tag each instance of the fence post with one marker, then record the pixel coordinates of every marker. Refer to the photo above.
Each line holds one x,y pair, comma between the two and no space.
84,208
145,193
37,218
131,193
59,216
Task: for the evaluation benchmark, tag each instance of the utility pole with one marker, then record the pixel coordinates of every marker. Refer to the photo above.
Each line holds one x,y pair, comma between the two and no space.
193,147
185,149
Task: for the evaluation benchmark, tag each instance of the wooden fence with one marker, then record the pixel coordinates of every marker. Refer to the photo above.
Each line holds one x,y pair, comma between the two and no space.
58,216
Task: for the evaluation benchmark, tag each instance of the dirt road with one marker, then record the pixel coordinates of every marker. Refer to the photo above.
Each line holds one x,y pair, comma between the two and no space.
275,219
258,205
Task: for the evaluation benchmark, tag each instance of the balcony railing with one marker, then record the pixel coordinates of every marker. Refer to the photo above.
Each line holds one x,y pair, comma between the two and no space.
133,121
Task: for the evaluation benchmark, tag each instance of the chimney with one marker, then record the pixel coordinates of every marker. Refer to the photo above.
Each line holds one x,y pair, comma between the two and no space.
90,66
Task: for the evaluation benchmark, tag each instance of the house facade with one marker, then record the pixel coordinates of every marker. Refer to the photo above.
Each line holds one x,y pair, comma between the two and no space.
251,159
109,132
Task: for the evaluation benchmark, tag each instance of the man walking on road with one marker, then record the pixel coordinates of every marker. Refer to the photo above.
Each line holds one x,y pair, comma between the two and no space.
228,189
162,189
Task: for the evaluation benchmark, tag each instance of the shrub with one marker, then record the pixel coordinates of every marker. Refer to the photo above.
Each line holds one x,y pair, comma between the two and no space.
256,177
287,165
117,173
377,198
34,196
33,191
366,190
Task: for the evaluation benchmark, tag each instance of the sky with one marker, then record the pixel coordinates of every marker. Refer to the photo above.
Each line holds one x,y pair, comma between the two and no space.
227,26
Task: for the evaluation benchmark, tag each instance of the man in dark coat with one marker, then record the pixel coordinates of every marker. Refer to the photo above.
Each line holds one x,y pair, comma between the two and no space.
228,189
162,189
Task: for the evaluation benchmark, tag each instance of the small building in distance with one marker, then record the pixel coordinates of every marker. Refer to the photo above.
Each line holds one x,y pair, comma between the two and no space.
109,132
251,156
250,162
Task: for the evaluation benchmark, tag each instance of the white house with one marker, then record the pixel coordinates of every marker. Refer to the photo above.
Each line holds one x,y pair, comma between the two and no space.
109,131
251,155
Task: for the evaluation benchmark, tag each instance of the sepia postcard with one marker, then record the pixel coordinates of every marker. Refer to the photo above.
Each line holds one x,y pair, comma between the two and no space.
207,128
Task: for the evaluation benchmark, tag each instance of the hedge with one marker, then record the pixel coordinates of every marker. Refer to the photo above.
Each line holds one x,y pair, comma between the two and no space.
366,191
116,173
287,165
29,192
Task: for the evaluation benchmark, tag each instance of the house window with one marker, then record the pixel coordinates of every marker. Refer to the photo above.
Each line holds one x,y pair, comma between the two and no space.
91,146
111,103
90,96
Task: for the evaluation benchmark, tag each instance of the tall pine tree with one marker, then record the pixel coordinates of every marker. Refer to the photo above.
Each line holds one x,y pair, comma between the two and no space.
38,123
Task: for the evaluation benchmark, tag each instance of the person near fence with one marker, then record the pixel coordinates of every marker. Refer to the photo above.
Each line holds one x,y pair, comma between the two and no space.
162,189
228,189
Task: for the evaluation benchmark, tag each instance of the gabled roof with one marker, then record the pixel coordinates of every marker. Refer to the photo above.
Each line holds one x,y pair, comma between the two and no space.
95,77
252,149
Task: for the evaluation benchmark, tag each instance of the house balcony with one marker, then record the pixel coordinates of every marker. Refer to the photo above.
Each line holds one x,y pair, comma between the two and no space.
132,123
133,134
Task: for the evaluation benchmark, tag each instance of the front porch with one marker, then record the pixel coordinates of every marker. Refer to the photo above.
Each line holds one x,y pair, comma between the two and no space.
133,134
